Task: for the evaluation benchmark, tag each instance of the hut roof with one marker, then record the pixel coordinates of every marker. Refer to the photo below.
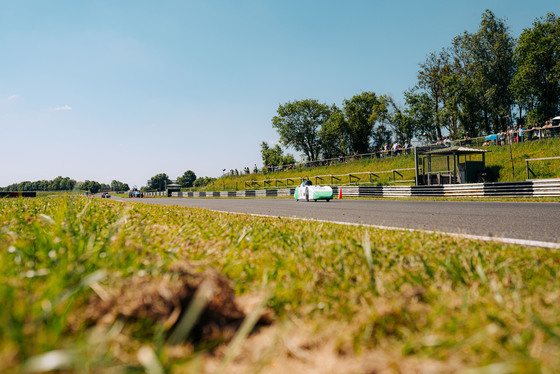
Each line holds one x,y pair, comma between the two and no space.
458,150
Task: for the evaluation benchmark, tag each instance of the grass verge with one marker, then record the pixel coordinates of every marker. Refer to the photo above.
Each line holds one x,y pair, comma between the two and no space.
498,162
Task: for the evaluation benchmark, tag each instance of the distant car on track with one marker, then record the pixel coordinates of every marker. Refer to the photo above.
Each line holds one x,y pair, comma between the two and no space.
105,195
308,192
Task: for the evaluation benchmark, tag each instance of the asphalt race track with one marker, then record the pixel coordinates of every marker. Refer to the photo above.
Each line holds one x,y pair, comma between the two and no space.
509,220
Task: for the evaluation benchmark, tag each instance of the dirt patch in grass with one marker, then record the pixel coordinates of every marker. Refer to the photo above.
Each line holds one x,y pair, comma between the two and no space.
299,347
165,300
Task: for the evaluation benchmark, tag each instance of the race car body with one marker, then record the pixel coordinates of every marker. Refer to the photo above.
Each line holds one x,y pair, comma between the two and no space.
308,192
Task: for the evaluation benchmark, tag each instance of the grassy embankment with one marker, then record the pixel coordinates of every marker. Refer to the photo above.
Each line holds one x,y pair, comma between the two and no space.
342,298
498,161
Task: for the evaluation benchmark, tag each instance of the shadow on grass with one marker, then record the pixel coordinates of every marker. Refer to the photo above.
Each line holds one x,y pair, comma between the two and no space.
492,173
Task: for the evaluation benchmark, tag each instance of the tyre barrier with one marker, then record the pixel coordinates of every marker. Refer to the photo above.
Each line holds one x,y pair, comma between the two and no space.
535,188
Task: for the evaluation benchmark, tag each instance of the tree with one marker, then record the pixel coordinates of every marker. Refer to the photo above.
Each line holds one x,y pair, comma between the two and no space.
453,91
159,181
469,84
362,119
492,48
57,184
298,124
420,109
203,181
430,79
537,81
334,135
119,186
275,155
361,113
403,124
91,186
187,179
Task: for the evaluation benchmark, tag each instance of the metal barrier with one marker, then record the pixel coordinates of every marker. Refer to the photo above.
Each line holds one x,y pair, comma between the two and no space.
546,187
536,159
537,188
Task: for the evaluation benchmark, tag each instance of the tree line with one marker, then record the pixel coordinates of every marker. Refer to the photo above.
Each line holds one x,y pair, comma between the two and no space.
157,183
482,83
189,179
65,184
57,184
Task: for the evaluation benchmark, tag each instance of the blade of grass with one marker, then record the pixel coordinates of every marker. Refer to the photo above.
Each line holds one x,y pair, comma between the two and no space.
199,301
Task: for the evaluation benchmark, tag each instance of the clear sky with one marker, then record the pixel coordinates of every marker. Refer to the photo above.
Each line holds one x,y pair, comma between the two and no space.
124,90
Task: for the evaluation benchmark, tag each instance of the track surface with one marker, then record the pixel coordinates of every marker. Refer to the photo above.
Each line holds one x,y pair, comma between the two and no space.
525,221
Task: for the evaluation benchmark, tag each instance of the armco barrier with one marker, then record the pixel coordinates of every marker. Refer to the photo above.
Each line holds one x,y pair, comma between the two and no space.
546,187
470,189
537,188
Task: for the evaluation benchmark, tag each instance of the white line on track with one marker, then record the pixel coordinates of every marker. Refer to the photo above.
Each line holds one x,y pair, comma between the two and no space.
523,242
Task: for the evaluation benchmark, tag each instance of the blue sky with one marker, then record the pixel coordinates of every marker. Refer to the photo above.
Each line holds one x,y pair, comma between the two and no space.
124,90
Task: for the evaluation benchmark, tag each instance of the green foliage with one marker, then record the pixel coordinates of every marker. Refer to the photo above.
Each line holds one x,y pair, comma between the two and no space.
410,296
57,184
275,156
119,186
361,112
158,182
91,186
430,79
187,179
537,81
203,181
474,85
361,123
334,135
298,123
492,66
419,110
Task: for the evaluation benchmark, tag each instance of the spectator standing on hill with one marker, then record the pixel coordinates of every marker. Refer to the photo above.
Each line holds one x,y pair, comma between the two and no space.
406,146
535,131
395,148
467,138
447,142
255,169
385,149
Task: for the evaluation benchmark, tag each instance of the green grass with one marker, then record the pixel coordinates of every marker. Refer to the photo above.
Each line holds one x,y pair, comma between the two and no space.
411,297
498,161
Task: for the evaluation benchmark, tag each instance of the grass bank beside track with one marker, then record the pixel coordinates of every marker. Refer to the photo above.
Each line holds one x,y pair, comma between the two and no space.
498,163
342,298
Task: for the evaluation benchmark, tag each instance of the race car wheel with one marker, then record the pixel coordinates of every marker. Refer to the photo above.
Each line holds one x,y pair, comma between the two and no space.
328,200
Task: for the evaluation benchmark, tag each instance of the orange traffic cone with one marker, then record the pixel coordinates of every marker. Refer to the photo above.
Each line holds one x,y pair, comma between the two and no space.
339,193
